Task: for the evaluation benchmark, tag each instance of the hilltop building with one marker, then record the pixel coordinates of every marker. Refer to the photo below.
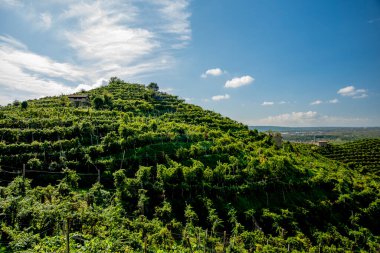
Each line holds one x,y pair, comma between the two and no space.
78,100
277,139
322,143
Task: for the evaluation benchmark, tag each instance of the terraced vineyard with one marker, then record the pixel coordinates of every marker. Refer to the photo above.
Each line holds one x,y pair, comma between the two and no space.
52,134
362,154
137,170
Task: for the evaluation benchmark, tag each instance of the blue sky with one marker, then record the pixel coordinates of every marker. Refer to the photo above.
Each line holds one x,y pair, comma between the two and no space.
286,63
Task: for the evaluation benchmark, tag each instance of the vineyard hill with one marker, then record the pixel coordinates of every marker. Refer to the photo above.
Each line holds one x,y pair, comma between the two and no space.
130,169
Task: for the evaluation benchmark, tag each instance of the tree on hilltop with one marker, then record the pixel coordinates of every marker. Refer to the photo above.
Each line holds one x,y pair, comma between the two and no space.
153,86
24,104
115,79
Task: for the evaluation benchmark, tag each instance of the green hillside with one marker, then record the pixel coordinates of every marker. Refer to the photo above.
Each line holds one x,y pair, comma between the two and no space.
133,126
362,154
173,178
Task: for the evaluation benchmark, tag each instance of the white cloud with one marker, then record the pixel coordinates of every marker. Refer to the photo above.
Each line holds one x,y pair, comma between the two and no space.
176,20
167,90
309,118
103,36
97,84
34,14
333,101
347,91
26,75
239,81
11,3
271,103
220,97
351,91
28,61
12,42
9,97
212,72
294,118
316,102
362,95
45,20
267,103
24,71
127,39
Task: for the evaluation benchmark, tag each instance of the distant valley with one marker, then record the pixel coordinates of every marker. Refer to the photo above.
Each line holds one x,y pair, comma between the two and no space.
332,134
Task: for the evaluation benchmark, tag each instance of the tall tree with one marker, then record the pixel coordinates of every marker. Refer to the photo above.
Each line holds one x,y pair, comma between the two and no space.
153,86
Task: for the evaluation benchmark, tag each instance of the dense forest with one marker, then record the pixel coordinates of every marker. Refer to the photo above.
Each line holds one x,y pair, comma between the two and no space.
132,169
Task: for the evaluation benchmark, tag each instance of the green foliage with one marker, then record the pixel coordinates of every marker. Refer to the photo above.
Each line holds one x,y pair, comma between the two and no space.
362,154
34,164
24,104
115,80
16,103
174,176
153,86
98,102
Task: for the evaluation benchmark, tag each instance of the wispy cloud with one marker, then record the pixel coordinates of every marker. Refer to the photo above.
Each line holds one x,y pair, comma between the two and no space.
30,75
167,90
176,18
308,118
267,103
351,91
371,21
333,101
362,95
105,38
294,118
319,102
239,81
271,103
316,102
212,72
46,20
11,3
26,71
220,97
11,42
14,53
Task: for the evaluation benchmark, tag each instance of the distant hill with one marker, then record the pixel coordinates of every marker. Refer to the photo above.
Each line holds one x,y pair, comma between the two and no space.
126,168
310,134
362,154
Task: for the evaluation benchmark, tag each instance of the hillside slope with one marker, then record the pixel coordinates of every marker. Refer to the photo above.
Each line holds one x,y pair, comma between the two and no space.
362,154
137,123
172,176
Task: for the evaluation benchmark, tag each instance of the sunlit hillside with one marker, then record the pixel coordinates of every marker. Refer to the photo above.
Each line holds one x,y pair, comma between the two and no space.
132,169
